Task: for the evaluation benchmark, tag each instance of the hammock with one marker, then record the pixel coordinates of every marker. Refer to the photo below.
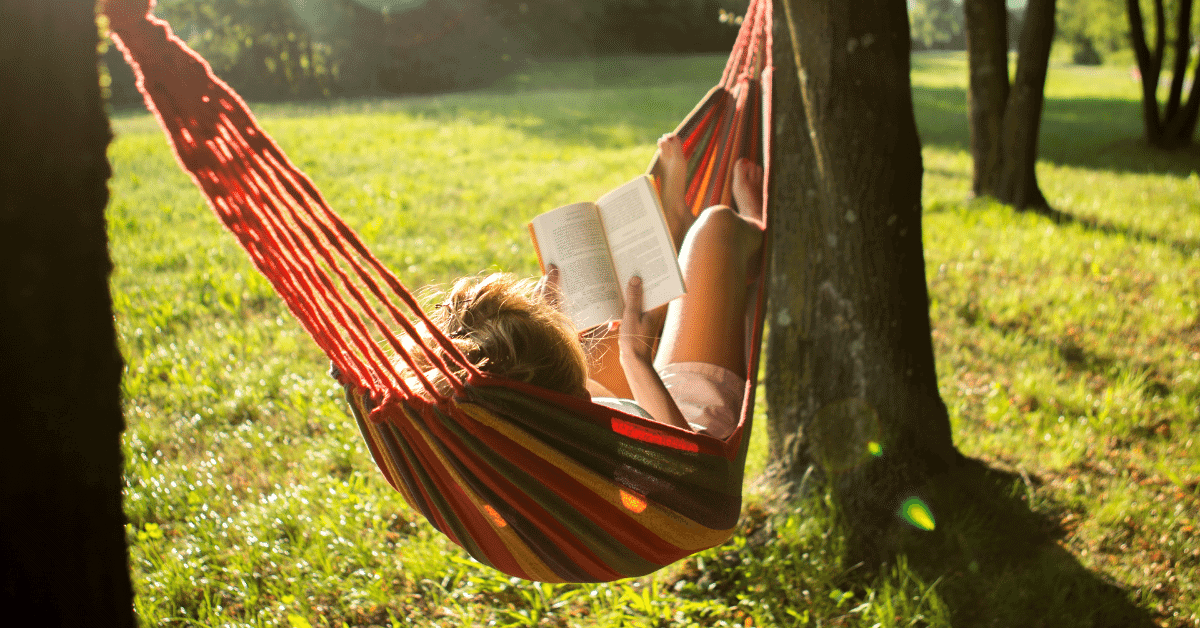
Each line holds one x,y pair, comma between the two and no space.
536,484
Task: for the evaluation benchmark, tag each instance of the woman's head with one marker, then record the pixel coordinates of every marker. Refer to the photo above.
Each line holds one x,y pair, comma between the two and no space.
505,328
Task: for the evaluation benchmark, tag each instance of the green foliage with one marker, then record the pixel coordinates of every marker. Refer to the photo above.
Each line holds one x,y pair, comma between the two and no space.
936,24
1093,28
263,47
1066,355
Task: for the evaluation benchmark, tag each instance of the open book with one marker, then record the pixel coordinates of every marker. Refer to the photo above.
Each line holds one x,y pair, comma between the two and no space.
598,246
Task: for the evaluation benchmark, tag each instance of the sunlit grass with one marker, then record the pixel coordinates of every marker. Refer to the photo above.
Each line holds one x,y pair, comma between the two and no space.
1069,353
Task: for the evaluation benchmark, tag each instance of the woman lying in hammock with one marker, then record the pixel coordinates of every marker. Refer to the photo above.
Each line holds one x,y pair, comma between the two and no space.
695,380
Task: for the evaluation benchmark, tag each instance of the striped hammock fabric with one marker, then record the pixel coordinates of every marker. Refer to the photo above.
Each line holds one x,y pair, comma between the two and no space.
536,484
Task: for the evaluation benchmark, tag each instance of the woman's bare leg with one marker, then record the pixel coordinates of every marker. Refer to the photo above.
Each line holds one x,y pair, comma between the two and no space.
719,258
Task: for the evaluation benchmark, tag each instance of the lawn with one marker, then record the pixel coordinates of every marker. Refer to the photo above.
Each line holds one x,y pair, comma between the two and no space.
1068,355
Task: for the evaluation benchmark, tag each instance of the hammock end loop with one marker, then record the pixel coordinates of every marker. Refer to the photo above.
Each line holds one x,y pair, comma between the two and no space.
384,408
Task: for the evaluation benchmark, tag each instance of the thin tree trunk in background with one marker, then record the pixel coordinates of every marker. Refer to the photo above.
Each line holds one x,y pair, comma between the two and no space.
1149,63
1183,46
1018,184
62,536
851,371
987,93
1005,118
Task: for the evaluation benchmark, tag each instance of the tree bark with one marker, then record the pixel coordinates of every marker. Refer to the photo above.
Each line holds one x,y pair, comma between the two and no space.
1004,118
1183,46
852,371
62,537
987,91
1148,67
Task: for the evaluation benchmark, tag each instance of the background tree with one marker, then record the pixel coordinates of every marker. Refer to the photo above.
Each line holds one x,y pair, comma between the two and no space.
62,535
1173,125
1095,29
1005,118
936,24
852,370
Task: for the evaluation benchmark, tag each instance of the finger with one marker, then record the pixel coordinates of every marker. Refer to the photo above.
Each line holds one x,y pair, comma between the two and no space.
633,298
633,335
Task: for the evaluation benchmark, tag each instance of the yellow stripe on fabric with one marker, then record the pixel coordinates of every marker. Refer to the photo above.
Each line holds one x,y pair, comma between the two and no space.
392,470
667,524
526,558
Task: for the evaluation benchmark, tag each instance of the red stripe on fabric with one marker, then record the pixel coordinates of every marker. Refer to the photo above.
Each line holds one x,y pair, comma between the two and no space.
584,409
722,178
640,433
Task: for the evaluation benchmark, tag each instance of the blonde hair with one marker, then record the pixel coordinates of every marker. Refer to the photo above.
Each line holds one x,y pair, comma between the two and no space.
505,328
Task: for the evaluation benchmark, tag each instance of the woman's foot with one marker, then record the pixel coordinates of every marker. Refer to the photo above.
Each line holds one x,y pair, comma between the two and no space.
747,189
674,186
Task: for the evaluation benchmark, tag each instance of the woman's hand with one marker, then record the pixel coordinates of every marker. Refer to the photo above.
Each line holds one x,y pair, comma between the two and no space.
636,339
637,360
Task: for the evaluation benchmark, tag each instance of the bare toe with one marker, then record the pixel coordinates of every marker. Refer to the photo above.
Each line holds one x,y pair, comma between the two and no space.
747,188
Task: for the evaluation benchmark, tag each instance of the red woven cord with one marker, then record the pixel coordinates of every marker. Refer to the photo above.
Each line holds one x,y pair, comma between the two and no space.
277,214
734,64
757,21
310,280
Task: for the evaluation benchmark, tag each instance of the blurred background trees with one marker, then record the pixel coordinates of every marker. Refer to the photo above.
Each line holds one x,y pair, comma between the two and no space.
1094,30
286,49
936,24
1171,125
301,49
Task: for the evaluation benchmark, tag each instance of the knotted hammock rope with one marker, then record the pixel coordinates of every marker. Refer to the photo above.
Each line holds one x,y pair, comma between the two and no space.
534,483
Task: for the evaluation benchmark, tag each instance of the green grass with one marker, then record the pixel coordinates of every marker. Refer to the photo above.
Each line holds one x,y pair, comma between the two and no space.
1068,357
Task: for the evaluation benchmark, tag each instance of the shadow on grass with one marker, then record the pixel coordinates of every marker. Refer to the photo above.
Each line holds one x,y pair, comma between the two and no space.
1000,562
1102,134
1181,246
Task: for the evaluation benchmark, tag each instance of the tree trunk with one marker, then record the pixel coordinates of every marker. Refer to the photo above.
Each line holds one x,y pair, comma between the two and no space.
1005,119
1018,184
987,92
1149,64
1175,125
62,536
851,387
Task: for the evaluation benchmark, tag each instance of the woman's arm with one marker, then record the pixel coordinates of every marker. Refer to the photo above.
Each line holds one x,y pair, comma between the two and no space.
636,345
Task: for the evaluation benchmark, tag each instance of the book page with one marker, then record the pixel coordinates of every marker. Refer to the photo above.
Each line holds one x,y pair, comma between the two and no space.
640,241
572,238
